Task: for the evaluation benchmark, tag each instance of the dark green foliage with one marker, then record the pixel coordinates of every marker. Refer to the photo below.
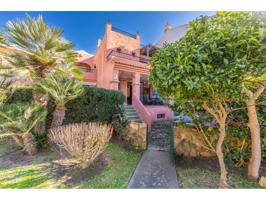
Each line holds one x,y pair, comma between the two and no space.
42,141
20,95
96,104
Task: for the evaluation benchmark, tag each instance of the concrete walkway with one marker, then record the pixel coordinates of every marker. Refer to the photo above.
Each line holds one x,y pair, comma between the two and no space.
154,170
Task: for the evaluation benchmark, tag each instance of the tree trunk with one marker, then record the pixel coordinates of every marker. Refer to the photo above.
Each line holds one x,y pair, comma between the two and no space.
18,140
254,127
43,100
220,114
58,115
219,152
29,142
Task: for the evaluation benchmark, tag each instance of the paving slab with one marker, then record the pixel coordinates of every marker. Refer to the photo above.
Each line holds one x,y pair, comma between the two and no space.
154,170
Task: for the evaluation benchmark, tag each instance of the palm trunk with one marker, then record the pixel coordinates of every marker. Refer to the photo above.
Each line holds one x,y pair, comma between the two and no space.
219,152
254,126
18,140
58,115
43,100
29,144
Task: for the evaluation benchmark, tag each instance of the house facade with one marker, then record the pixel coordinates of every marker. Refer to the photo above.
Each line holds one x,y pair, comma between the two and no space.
122,63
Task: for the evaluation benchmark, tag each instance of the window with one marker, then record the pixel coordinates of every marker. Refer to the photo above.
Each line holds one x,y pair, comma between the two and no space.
160,116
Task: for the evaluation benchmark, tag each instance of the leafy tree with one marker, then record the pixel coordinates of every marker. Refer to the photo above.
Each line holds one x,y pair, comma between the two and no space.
62,90
39,50
208,66
18,120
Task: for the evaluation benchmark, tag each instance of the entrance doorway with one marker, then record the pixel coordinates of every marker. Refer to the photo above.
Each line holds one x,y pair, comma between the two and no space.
129,93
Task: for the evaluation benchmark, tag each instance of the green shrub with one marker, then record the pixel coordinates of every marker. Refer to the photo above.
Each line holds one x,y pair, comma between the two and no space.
96,104
20,95
237,144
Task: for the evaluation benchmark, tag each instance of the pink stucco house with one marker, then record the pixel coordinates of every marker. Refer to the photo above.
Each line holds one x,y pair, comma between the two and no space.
122,63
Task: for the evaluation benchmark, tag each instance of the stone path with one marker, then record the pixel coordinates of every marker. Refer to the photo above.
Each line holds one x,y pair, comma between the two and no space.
158,137
155,169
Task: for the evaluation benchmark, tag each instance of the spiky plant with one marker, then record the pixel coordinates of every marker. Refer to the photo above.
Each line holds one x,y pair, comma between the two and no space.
4,90
38,51
17,122
2,39
62,90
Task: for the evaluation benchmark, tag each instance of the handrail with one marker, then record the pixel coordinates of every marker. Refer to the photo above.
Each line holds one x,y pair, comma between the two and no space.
142,110
123,32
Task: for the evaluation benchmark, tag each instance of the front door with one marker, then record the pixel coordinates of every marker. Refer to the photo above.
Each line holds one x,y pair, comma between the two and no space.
129,93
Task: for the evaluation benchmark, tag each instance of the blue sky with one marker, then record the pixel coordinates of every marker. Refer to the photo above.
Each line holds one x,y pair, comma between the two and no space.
85,28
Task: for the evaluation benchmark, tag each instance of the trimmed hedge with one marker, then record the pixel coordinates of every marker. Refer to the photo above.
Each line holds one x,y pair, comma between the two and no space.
96,104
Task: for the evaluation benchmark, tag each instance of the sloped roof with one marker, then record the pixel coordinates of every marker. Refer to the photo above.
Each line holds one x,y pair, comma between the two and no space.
172,35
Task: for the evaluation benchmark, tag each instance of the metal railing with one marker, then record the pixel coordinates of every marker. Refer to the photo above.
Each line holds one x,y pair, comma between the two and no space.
128,56
123,32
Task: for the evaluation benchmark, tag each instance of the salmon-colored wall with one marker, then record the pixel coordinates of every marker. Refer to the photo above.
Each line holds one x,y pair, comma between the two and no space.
116,40
123,87
154,110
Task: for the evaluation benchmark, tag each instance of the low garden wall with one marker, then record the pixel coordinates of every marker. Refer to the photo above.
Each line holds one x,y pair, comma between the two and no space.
190,143
137,135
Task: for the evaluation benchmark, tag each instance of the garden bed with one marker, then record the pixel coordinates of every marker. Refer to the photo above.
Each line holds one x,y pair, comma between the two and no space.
111,170
204,173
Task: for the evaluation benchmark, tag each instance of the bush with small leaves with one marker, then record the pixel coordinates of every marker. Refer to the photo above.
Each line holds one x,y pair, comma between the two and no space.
83,142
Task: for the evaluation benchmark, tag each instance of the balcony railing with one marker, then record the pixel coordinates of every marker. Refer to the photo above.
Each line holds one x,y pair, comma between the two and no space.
123,32
128,56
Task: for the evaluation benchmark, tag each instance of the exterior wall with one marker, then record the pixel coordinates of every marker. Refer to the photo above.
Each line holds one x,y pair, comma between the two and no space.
154,110
116,39
108,67
123,87
136,135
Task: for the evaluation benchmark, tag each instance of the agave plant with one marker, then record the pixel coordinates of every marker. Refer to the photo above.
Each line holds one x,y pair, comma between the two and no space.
38,51
17,122
62,89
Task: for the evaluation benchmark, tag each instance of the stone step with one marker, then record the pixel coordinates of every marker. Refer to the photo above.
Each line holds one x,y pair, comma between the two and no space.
132,114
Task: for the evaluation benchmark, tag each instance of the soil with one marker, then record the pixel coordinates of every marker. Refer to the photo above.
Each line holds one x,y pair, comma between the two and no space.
69,175
119,141
72,175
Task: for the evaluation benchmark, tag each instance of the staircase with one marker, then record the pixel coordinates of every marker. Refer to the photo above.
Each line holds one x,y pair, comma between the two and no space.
132,114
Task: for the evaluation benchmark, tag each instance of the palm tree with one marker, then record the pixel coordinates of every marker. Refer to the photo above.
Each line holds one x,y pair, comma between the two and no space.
62,90
17,122
39,50
2,39
4,90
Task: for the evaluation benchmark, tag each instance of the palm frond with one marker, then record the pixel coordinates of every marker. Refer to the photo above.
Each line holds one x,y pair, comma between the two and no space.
20,118
40,49
61,88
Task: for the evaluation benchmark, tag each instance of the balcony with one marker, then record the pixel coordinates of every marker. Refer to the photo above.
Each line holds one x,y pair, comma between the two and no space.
90,74
128,56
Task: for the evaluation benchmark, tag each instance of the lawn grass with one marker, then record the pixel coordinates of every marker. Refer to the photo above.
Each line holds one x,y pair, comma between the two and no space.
38,173
199,177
